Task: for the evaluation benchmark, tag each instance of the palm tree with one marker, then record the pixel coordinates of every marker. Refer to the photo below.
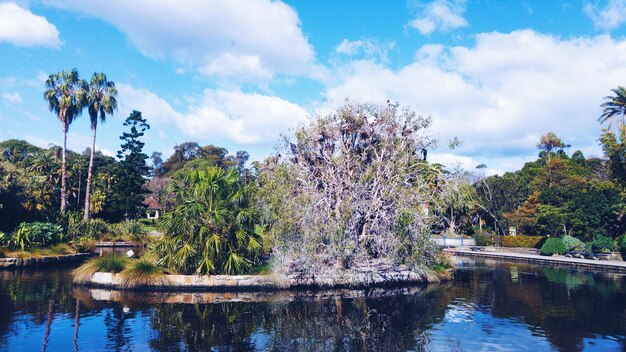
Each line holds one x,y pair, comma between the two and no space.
614,106
66,95
101,102
214,228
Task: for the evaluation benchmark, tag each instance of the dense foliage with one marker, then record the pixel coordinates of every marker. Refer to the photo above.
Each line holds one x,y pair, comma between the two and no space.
353,186
522,241
33,235
553,246
131,172
556,195
214,228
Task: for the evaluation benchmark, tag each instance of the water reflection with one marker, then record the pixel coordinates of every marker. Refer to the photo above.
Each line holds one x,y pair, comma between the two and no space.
488,306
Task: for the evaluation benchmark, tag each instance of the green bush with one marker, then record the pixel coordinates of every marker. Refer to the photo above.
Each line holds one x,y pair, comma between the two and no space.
84,243
36,234
94,228
553,246
131,230
573,244
485,238
112,264
602,244
522,241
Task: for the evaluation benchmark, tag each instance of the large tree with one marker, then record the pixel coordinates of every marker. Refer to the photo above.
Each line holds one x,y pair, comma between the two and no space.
102,101
353,187
66,95
128,189
614,105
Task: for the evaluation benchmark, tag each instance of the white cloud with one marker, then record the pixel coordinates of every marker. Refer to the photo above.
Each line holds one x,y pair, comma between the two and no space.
154,109
500,94
368,48
230,115
241,38
442,15
21,27
608,17
12,97
245,118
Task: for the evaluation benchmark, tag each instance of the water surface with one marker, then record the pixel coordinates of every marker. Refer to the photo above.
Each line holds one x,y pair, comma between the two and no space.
489,306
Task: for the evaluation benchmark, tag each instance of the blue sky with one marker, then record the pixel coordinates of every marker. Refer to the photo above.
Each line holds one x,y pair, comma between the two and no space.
238,73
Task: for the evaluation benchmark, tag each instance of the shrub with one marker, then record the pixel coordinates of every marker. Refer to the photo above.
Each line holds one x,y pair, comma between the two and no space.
522,241
215,228
84,244
142,272
95,228
485,238
38,234
112,264
553,246
602,244
130,230
573,243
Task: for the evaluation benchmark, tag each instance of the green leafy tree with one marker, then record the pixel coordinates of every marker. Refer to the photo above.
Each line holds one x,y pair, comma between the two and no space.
214,227
66,95
102,102
131,172
614,147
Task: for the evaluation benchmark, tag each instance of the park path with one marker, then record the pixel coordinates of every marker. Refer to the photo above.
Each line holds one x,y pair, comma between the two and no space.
589,264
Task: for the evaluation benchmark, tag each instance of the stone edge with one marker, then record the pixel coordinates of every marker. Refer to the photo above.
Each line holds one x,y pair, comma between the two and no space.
268,282
594,266
12,263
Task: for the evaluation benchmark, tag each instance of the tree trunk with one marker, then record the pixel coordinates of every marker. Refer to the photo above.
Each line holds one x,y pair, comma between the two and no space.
64,172
76,322
89,176
46,335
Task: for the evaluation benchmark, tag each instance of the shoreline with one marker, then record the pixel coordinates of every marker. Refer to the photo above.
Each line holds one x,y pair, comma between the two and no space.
391,277
563,262
50,260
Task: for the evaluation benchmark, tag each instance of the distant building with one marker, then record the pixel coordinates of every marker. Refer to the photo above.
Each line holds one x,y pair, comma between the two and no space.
153,208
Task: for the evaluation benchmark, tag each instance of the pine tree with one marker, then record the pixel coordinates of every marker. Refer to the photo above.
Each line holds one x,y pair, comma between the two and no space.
132,170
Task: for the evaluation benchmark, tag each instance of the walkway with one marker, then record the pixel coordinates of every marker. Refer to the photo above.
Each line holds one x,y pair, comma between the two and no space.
588,264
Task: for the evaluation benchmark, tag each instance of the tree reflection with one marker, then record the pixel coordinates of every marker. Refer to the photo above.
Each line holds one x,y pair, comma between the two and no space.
356,324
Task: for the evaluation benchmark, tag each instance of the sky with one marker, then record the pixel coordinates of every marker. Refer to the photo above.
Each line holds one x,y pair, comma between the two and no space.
239,73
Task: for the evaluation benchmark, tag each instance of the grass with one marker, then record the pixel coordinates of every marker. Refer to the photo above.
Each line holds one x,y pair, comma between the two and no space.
142,272
3,252
113,264
61,248
444,262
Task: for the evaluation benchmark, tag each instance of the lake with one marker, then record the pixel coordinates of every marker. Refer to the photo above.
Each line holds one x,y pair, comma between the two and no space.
488,306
